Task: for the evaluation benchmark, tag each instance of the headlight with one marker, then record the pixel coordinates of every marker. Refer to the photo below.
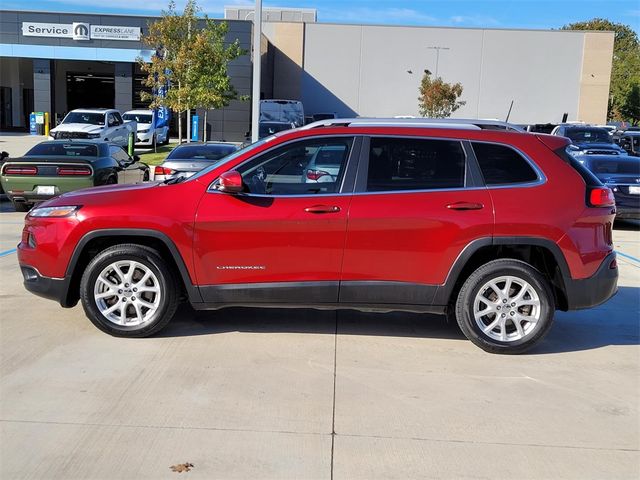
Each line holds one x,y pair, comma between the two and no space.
54,211
143,130
93,135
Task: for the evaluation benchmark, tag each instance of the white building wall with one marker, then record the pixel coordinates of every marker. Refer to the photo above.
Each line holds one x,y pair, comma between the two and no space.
363,70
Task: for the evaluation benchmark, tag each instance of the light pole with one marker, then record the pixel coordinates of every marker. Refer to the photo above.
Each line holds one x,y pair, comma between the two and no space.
255,94
437,49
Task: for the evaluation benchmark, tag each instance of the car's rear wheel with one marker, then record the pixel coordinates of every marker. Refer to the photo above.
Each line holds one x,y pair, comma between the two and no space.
505,306
129,291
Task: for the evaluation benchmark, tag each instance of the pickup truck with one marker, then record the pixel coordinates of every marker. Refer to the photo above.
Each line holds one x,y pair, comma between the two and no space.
96,124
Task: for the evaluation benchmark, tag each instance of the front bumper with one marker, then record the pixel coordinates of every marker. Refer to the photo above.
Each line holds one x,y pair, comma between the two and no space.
46,287
595,290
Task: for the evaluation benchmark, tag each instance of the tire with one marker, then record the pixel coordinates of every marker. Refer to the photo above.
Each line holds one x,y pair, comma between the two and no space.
139,320
505,337
21,206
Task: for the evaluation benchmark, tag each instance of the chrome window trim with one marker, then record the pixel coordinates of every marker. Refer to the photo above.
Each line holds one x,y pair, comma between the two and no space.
211,188
423,190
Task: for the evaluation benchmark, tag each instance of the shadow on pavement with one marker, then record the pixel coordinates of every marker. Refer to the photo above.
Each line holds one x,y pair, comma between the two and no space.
289,320
617,322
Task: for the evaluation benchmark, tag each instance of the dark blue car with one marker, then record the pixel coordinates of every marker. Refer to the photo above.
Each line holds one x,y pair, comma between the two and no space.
621,174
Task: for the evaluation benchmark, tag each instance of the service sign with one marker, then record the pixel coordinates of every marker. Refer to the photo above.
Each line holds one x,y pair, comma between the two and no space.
57,30
80,31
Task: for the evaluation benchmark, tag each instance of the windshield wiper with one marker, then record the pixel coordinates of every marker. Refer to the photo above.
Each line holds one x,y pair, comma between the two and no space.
174,180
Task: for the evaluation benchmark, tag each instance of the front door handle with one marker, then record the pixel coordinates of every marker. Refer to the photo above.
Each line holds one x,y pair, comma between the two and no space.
465,206
322,209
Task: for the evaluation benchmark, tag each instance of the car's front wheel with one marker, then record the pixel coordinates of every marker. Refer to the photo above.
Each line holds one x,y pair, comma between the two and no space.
129,291
505,306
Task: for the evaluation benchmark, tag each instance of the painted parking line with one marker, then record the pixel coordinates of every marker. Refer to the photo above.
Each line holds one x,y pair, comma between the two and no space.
8,252
631,257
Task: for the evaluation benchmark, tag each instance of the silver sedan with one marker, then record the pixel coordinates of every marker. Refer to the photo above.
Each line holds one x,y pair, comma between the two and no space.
187,159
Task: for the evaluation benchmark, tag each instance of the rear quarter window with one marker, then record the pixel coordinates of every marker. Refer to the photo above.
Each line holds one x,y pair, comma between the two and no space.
502,165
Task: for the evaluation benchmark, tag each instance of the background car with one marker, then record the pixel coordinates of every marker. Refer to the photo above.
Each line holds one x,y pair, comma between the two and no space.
148,134
325,163
52,168
630,141
95,123
622,175
188,159
587,140
270,128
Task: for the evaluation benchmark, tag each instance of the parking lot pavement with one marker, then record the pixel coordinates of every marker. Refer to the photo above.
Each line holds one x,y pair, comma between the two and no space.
245,393
17,144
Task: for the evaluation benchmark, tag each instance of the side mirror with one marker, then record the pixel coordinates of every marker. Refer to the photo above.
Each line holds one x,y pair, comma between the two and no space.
230,182
4,155
136,158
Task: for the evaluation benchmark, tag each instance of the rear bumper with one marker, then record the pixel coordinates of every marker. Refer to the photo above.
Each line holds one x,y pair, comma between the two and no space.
595,290
46,287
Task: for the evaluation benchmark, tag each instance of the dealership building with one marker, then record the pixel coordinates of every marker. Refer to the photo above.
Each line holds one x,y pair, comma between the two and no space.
55,62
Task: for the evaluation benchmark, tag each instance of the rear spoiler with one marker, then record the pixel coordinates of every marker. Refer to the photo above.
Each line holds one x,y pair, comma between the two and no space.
553,142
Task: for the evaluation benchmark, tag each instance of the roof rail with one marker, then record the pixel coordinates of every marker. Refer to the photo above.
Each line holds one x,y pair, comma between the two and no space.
455,123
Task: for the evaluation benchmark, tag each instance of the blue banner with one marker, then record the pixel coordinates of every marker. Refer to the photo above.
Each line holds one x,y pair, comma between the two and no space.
163,114
194,127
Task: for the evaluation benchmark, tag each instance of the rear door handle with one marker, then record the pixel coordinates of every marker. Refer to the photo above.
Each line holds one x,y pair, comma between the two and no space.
322,209
465,206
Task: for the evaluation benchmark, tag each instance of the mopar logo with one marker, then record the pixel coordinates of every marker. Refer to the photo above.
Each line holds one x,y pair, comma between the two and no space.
80,31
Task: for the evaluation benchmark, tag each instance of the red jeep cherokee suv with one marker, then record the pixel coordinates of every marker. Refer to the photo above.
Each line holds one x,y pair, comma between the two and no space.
495,228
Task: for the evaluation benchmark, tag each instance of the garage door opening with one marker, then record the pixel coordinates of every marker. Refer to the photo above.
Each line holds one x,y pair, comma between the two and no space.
90,90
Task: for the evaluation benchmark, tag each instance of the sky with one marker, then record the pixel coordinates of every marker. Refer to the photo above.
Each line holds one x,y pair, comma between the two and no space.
536,14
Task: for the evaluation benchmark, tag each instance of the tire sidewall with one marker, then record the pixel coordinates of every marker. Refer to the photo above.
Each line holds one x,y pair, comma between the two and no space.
466,300
151,261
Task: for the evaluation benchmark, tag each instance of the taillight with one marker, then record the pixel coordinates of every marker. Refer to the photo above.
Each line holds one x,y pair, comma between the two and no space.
315,174
601,197
74,171
162,171
9,170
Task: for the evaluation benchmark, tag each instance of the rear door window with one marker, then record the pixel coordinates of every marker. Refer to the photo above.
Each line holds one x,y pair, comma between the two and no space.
502,165
401,164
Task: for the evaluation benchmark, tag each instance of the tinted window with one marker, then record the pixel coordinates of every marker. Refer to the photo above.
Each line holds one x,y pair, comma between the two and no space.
415,164
291,169
201,152
138,117
119,154
588,135
622,166
64,149
502,165
84,117
117,118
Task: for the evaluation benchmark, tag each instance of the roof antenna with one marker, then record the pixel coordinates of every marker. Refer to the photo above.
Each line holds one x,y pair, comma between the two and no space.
509,114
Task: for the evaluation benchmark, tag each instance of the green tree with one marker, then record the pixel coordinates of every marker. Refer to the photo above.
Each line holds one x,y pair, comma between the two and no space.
438,99
625,70
191,57
212,87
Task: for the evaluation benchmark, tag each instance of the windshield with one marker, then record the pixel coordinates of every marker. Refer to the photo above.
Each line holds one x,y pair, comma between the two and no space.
201,152
231,157
64,149
627,166
588,135
269,128
138,117
85,117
